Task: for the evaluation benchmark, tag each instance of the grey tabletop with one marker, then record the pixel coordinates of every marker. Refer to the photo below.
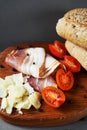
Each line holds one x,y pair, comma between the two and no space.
30,20
79,125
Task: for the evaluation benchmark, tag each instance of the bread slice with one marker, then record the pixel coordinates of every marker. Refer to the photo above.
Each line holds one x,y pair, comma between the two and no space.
73,26
78,52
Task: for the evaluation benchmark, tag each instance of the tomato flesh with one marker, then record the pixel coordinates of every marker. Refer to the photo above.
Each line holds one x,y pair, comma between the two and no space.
71,63
65,80
57,49
54,97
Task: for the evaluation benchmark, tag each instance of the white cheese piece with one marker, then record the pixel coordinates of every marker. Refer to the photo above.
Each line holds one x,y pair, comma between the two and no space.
3,90
16,91
20,112
29,89
23,104
35,100
4,103
15,79
10,102
17,95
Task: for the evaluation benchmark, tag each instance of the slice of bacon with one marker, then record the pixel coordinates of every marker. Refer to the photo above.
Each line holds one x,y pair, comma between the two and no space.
39,83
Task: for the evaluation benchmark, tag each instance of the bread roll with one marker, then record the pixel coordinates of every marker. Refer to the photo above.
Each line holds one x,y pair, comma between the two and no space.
73,26
78,52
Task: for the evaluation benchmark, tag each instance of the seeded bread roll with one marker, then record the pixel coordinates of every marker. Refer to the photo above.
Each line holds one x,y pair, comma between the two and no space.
78,52
73,26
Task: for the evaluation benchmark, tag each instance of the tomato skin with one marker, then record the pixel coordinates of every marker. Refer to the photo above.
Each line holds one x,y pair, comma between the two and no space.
52,96
65,80
71,63
57,49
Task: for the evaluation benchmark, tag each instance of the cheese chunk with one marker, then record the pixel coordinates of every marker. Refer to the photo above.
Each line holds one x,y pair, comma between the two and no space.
17,93
3,90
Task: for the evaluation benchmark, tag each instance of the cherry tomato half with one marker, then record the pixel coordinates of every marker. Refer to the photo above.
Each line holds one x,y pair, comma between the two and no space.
54,97
65,80
57,49
71,63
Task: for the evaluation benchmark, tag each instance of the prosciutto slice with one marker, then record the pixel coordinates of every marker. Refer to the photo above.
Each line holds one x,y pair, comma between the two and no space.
32,61
40,83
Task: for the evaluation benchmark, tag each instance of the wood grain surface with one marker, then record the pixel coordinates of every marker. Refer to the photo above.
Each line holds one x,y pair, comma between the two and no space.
72,110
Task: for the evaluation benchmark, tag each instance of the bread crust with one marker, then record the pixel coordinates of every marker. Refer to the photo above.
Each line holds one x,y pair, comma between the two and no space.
73,26
78,52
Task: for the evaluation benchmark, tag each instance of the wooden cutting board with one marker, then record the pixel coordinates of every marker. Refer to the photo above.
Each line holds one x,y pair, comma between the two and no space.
72,110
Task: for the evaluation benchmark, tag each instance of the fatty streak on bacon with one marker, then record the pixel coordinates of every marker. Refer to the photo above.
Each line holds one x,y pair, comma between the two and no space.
40,83
32,61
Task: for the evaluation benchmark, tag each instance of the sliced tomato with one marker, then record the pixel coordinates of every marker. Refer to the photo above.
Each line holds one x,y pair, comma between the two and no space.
54,97
57,49
71,63
65,80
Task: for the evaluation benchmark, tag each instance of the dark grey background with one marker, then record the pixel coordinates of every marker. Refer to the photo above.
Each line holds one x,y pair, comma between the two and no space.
34,20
